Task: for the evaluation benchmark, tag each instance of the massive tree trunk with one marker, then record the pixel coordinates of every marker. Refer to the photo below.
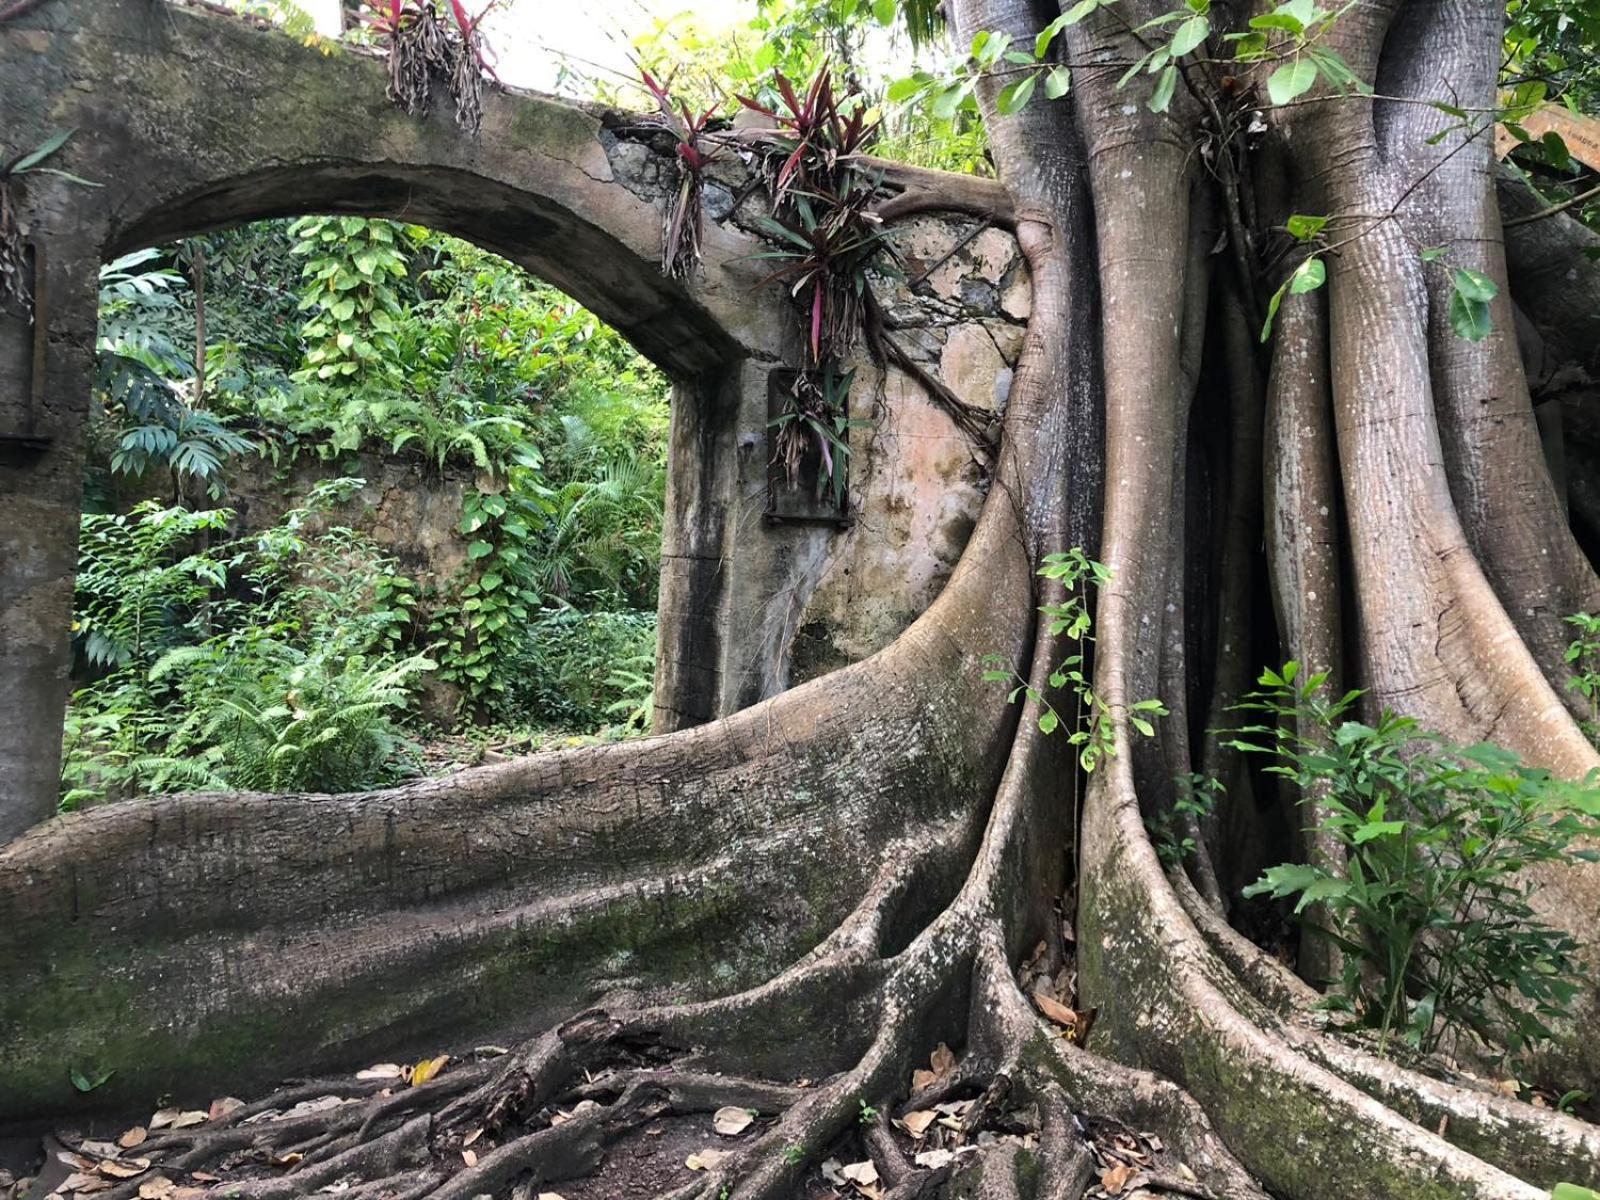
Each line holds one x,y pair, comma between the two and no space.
832,883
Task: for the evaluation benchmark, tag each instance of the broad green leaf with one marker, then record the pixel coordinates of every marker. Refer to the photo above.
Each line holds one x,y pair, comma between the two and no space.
1304,11
1308,277
883,10
1571,1191
1322,889
1057,83
1272,309
88,1080
903,89
1291,81
1048,721
945,104
1041,44
1161,98
1474,285
1469,318
1014,97
1378,829
1303,228
1248,47
1191,34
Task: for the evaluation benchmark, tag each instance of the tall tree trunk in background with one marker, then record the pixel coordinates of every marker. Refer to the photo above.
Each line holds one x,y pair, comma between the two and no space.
887,864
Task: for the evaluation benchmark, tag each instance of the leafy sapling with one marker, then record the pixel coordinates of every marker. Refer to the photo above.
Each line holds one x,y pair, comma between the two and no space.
1583,656
1172,830
1087,724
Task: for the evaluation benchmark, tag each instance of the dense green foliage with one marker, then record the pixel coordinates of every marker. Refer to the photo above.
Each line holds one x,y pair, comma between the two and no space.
294,658
1432,917
271,662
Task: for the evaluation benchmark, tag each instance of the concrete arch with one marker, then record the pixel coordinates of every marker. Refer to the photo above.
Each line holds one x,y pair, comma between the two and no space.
188,121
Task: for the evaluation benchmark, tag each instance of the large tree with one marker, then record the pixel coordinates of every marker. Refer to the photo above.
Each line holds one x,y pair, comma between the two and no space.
1382,474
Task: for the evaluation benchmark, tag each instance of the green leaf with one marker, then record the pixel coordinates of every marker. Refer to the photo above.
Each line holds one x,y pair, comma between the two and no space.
41,152
1161,98
1272,309
1015,96
90,1079
1469,318
1475,286
1303,228
479,549
903,89
1057,83
1323,889
883,11
1291,81
1191,34
1308,277
1378,829
1048,721
1249,47
1571,1191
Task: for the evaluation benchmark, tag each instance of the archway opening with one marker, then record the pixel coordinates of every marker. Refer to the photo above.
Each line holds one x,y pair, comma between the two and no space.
363,501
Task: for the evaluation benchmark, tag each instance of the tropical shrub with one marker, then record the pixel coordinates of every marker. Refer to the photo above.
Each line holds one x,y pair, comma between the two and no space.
275,661
1432,915
580,670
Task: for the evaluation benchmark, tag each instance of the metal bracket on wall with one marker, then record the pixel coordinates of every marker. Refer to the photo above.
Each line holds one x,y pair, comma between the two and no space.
25,441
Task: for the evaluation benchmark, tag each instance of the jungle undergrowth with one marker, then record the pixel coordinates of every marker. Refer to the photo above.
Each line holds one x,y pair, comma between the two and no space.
1432,917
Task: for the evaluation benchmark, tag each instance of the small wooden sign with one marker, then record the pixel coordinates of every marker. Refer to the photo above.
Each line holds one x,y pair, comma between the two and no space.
1580,133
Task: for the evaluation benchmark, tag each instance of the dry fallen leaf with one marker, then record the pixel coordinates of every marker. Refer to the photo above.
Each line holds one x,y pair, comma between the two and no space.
861,1172
1055,1010
163,1118
188,1120
551,1196
204,1177
471,1137
470,1157
133,1137
1115,1177
916,1123
730,1121
79,1181
124,1168
287,1159
99,1149
427,1069
933,1159
832,1171
157,1187
224,1105
943,1061
382,1071
704,1160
